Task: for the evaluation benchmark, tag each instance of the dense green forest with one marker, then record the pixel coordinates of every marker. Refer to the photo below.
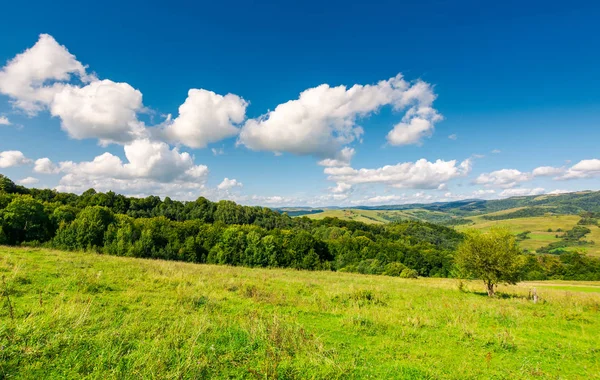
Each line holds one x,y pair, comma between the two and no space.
224,232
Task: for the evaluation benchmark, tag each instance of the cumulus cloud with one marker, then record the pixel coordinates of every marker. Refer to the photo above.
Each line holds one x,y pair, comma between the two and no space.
323,119
521,192
4,121
546,171
453,136
45,166
40,78
417,124
421,174
31,79
10,158
504,178
150,165
28,181
496,151
206,117
103,109
228,184
582,169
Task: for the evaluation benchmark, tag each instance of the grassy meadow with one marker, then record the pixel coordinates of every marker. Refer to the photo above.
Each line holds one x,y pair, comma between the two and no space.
84,315
375,216
539,226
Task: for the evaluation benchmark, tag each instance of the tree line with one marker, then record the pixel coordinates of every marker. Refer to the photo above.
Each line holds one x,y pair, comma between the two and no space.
224,232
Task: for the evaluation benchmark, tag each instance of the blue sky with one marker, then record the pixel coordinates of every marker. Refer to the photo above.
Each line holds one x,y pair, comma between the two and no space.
401,102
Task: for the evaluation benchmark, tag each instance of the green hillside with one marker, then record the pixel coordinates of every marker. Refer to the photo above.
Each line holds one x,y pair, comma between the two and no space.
89,316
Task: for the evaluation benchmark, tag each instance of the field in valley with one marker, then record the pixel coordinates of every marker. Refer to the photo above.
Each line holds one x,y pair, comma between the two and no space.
539,226
377,216
84,315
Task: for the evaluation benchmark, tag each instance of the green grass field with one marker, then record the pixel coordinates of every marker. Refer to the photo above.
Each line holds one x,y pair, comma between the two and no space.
539,226
83,315
376,216
365,216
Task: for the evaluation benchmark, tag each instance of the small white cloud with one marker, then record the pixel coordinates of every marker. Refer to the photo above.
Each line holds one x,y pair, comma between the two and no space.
521,192
342,158
546,171
12,158
218,152
341,188
504,178
453,136
28,181
4,120
45,166
496,151
228,184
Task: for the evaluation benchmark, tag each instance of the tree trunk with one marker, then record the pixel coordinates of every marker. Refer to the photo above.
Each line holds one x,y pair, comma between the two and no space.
490,288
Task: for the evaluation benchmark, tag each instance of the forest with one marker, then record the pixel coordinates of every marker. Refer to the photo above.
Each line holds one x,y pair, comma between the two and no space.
224,232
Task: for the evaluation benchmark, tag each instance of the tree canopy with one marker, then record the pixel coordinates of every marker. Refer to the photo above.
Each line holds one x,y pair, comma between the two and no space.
491,256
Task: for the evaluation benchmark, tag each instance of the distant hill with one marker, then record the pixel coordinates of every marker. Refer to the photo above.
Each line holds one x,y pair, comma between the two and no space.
567,203
458,212
540,222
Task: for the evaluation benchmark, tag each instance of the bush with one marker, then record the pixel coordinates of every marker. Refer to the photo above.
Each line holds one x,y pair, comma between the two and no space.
409,273
394,269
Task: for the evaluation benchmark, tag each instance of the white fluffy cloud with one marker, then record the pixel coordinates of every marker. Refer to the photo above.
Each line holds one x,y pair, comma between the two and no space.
4,120
103,109
150,165
28,181
206,117
228,184
32,78
521,192
582,169
504,178
417,124
12,158
324,119
45,166
421,174
546,171
40,78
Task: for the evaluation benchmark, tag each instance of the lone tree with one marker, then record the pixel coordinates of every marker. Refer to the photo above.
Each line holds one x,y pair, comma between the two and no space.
492,256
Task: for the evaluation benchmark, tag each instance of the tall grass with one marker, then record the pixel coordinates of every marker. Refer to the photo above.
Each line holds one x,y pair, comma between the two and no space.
82,315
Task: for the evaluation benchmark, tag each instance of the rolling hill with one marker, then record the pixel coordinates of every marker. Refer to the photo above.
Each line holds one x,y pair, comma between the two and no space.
543,219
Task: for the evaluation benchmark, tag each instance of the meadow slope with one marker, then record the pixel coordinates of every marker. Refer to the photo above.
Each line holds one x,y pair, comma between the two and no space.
84,315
